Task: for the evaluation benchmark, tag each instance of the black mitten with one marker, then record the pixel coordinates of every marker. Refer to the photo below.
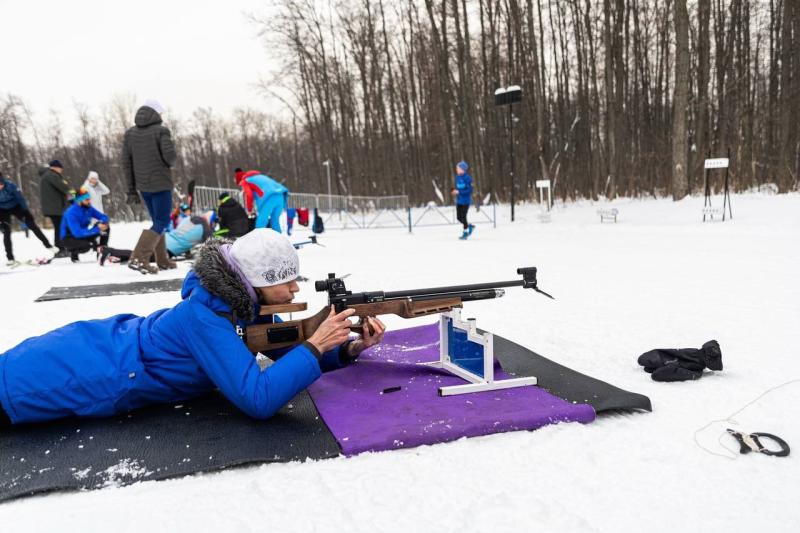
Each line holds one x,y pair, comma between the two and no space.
675,372
669,364
654,359
712,355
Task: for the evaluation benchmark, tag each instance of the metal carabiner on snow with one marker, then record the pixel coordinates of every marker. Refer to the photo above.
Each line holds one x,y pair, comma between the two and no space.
749,442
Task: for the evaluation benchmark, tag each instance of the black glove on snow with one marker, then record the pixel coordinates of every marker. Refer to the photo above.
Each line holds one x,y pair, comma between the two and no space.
682,364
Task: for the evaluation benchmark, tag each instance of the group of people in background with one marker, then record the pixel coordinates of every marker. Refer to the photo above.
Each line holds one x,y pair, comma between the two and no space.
80,223
64,206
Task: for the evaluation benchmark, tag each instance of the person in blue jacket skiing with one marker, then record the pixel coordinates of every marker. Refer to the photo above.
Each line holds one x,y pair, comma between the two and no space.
462,193
98,368
78,233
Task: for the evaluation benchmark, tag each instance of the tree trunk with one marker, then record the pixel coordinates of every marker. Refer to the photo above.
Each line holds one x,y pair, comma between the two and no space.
680,100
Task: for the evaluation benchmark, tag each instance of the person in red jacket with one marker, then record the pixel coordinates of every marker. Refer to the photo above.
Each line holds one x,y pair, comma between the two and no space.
269,197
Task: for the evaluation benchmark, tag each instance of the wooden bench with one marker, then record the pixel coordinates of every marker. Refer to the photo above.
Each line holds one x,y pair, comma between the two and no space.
711,212
608,215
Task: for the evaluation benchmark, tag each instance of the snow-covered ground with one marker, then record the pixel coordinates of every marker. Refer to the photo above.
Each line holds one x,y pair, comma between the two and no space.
658,278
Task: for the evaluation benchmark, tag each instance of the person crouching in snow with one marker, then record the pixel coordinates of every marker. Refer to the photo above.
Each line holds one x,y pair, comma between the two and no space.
78,234
233,220
109,366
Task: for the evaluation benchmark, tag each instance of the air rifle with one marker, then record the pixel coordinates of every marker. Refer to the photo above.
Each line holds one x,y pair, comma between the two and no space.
405,304
311,240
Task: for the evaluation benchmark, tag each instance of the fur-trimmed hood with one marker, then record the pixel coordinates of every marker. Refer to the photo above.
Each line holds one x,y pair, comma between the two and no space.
218,278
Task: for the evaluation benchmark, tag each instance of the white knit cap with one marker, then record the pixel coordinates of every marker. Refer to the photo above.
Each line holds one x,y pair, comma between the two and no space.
92,174
266,257
155,105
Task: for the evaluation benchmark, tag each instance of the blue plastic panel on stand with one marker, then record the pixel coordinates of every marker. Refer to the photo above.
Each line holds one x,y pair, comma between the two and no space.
464,352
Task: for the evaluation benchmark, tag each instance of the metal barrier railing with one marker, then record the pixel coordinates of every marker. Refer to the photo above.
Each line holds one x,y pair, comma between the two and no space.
356,212
303,200
206,198
445,216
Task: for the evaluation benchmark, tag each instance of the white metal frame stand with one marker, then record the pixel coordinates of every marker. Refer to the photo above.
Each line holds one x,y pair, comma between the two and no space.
476,383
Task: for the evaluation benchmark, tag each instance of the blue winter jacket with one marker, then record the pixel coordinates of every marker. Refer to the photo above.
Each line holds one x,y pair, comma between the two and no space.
190,231
267,185
464,187
11,197
78,219
270,188
108,366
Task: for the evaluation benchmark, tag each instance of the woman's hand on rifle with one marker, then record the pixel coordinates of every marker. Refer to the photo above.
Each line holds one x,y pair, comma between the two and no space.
371,335
333,331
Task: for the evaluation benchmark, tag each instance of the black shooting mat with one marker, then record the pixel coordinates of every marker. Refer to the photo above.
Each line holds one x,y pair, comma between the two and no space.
210,434
564,382
200,435
110,289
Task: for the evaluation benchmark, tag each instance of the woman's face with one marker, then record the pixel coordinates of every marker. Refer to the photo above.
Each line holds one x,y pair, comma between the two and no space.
278,294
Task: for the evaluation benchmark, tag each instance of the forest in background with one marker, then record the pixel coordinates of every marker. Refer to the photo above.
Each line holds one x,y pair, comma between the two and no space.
620,97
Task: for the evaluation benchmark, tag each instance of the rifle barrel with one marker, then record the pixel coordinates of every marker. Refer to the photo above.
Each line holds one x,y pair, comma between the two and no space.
436,292
466,296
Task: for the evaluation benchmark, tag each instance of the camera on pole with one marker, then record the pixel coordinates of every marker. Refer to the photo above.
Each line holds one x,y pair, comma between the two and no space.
509,96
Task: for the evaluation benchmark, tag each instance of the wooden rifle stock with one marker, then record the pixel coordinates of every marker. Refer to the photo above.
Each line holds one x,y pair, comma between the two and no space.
266,337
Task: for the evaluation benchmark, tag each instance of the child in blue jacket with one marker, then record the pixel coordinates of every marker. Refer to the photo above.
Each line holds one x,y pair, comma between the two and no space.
109,366
462,193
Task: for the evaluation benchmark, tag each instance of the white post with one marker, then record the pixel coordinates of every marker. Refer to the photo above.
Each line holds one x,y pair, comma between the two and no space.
541,185
327,164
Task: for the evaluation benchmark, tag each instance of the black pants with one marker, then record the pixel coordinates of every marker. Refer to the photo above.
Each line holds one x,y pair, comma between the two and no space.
77,246
25,216
125,255
56,220
461,214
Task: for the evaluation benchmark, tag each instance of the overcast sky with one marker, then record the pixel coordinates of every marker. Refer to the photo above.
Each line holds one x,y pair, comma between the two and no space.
183,53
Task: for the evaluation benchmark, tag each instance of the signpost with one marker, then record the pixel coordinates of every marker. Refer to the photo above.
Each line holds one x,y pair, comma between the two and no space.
716,164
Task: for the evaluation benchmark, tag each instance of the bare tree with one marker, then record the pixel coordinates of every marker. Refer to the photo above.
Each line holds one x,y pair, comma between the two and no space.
680,184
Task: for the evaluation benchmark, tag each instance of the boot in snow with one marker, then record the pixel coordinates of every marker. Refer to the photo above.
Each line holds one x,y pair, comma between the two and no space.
140,257
162,257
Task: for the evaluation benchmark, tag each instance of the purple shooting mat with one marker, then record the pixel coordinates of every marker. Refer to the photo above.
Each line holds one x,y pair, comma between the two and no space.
363,418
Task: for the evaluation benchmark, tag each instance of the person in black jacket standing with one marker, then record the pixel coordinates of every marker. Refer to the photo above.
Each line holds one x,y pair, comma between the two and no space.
54,193
148,154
